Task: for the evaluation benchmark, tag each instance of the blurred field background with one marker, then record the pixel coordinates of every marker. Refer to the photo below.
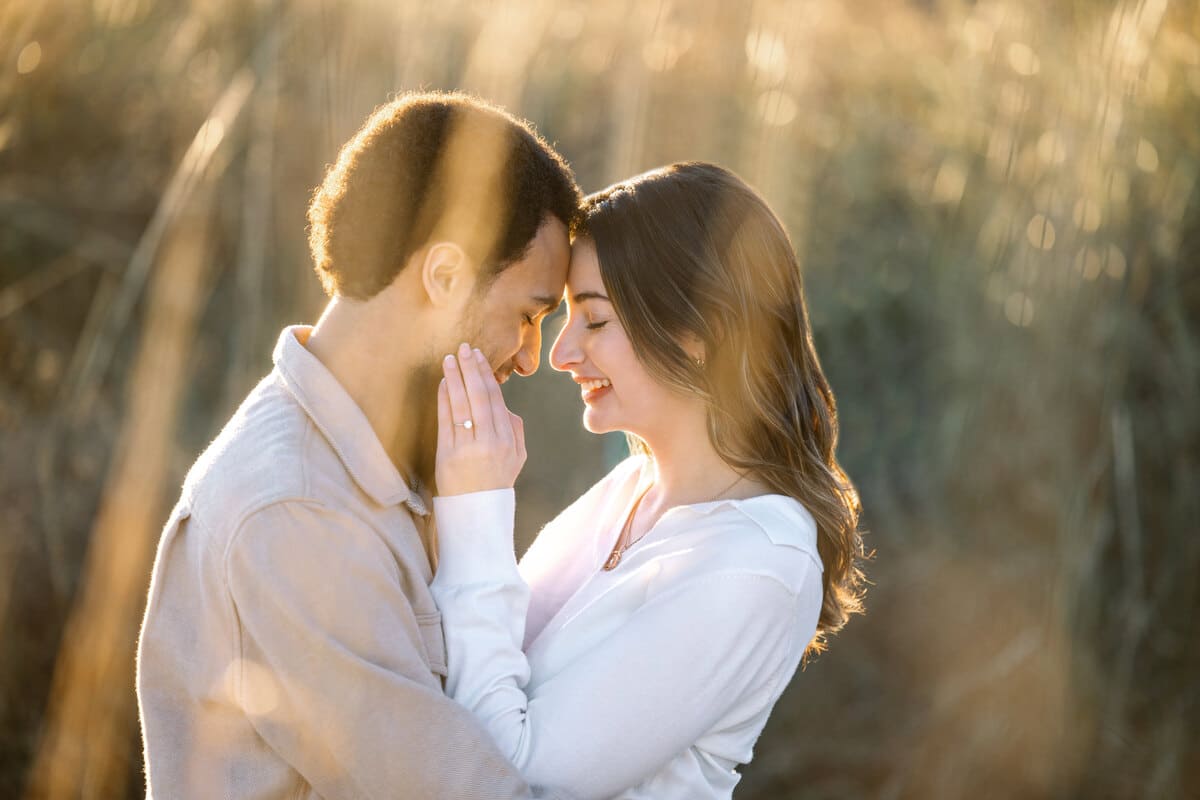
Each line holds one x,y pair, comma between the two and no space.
997,208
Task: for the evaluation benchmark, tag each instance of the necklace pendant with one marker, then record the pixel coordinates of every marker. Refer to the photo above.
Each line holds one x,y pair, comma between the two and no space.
612,561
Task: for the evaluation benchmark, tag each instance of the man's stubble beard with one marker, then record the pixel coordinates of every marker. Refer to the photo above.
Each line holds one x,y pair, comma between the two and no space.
424,383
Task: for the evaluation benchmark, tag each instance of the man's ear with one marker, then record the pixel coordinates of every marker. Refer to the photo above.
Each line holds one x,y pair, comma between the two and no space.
446,273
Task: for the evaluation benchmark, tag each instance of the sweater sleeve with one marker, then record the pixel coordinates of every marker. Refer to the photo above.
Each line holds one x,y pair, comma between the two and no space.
612,718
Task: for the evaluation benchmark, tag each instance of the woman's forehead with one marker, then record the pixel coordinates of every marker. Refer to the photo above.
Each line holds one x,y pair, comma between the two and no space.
584,272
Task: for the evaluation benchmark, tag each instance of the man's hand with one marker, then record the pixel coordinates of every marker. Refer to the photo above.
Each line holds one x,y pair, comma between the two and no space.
481,444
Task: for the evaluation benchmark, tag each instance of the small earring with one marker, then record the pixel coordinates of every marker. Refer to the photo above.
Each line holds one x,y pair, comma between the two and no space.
700,361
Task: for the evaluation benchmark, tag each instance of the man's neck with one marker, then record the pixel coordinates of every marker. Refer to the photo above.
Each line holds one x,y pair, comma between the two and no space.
383,374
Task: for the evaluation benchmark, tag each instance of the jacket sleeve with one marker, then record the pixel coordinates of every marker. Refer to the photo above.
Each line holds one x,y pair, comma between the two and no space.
690,658
330,667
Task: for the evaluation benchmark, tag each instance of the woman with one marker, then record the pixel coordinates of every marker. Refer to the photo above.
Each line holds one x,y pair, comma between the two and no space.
641,643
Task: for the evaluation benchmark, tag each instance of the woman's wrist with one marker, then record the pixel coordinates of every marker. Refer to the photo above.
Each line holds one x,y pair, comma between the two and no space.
475,537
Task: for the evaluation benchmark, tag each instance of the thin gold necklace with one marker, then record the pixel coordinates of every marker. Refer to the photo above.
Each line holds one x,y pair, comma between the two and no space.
623,543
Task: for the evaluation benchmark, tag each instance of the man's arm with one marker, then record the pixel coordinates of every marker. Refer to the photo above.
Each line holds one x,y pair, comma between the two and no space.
330,668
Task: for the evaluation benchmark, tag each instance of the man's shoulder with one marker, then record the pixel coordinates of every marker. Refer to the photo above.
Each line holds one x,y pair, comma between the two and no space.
265,454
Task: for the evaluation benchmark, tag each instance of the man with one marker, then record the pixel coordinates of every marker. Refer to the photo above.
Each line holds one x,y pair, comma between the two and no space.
291,647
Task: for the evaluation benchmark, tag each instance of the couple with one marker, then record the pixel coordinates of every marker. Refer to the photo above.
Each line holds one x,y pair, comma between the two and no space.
336,609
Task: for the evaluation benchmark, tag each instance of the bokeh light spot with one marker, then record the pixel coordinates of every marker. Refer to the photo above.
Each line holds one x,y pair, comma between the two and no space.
1023,60
29,58
777,107
1115,263
48,366
1050,148
950,183
978,35
1089,263
1040,232
1147,156
767,56
1018,309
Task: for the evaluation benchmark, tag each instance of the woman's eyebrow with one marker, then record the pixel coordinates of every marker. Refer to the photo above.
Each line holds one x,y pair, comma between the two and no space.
582,296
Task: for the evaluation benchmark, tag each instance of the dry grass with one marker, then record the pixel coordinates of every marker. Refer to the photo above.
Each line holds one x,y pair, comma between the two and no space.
997,207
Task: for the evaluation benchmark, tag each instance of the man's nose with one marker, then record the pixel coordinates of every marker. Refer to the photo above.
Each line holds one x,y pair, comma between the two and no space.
526,361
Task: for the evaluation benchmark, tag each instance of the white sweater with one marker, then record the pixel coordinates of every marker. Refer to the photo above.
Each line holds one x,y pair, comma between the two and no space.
650,681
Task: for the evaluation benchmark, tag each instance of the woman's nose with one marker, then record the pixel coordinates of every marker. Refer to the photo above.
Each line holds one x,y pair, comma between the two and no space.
565,351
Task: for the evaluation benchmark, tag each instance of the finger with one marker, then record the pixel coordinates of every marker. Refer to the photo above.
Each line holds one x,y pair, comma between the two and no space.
495,399
445,440
518,429
481,409
460,408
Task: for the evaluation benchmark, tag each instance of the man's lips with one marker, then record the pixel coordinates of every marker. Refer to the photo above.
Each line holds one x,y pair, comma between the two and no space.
502,375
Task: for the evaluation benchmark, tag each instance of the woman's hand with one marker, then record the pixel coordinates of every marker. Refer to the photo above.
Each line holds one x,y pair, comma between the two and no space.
490,452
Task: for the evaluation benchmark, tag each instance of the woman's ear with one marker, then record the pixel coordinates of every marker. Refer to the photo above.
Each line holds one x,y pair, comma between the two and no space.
446,273
693,345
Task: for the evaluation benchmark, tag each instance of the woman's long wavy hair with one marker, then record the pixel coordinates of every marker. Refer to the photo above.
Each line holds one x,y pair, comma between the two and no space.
691,253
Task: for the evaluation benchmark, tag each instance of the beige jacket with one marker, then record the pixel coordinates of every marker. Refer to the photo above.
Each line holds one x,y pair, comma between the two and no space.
291,647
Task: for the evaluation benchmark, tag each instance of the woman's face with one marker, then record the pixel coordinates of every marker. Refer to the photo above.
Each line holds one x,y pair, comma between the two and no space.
618,393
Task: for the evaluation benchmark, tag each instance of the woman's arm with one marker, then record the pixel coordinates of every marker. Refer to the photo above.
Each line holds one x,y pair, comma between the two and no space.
711,649
708,651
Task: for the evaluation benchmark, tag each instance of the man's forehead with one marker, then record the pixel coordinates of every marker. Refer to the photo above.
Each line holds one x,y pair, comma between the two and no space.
553,259
533,280
553,236
539,274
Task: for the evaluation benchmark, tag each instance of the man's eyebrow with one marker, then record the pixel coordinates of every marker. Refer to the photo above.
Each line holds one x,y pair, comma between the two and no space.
547,302
582,296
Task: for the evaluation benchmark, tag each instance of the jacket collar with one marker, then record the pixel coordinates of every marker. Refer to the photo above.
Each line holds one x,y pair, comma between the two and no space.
341,422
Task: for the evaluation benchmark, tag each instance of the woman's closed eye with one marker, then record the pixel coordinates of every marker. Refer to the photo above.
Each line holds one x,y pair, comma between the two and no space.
594,326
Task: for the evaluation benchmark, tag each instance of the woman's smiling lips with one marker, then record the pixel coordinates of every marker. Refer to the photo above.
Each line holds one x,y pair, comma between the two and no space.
593,388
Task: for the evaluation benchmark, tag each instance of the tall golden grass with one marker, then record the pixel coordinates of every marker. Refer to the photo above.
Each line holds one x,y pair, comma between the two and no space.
997,209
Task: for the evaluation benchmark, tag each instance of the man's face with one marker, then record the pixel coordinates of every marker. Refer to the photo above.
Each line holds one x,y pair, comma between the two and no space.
506,321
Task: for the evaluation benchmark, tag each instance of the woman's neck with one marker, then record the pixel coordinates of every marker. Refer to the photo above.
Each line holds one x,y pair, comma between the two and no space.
686,469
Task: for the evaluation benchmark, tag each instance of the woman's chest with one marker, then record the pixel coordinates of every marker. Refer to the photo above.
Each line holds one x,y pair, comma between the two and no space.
601,611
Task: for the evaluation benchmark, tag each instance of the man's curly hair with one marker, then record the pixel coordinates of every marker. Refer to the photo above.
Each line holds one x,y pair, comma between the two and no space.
431,166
